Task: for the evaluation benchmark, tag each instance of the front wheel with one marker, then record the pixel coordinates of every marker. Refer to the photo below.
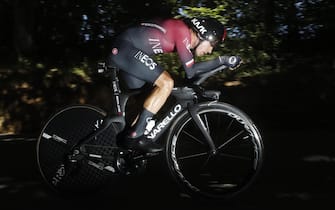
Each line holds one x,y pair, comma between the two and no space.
224,174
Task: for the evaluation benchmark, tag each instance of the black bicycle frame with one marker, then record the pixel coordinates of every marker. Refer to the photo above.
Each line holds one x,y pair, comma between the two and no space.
186,99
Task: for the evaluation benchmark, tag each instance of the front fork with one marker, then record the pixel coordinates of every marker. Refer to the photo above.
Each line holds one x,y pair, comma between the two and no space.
193,110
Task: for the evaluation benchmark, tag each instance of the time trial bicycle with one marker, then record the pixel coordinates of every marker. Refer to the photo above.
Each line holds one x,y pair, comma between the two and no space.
212,149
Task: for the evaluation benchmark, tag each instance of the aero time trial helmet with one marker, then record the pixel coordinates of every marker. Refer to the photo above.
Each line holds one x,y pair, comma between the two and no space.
209,29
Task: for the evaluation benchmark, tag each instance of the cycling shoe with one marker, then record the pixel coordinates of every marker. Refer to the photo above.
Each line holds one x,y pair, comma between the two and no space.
140,144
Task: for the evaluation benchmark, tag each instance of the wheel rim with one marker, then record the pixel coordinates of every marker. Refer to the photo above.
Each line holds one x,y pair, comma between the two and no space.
70,124
231,169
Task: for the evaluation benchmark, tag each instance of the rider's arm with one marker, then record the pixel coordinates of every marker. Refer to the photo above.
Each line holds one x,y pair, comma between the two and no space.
205,66
201,67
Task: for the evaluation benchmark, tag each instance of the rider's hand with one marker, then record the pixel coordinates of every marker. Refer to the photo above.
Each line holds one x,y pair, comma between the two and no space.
232,62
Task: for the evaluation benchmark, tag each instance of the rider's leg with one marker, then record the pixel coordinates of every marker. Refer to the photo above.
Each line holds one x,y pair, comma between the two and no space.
161,92
128,58
154,102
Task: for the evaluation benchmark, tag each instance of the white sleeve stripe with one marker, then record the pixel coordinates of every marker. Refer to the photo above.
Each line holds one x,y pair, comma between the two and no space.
189,63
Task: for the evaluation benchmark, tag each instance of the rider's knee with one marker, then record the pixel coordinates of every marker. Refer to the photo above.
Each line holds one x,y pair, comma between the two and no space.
168,84
165,82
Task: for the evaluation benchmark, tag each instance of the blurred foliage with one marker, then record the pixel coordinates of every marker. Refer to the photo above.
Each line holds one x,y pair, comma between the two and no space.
49,49
33,91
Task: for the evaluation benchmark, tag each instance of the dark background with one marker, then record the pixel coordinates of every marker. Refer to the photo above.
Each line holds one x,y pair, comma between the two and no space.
49,52
48,56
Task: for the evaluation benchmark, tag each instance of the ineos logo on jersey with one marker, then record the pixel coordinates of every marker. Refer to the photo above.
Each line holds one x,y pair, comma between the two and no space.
146,60
198,25
156,45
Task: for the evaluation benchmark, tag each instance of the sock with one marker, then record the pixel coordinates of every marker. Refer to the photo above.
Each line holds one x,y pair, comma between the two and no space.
139,127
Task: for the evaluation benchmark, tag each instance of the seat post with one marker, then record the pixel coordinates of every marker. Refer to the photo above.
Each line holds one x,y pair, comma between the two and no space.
113,71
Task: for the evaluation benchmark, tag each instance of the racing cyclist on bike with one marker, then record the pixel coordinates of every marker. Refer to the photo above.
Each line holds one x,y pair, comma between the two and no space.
132,52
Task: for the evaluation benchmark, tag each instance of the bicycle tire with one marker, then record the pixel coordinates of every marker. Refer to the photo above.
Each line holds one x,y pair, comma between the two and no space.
239,152
63,130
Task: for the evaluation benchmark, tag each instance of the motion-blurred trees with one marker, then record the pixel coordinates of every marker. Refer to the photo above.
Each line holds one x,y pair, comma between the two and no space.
49,49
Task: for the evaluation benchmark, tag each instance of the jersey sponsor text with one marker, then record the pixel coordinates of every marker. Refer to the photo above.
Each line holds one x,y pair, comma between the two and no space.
146,60
156,45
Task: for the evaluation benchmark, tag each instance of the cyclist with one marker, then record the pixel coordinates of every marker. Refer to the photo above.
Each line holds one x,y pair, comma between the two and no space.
132,52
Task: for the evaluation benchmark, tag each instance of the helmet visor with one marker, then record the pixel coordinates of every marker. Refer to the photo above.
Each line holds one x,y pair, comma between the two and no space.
212,40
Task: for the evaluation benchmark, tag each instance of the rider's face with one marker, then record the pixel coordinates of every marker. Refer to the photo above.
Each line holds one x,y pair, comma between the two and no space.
204,48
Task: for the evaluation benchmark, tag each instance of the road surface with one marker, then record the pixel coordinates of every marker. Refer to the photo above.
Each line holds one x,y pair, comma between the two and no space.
298,172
